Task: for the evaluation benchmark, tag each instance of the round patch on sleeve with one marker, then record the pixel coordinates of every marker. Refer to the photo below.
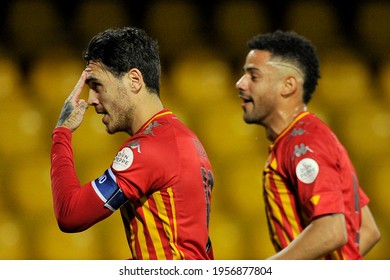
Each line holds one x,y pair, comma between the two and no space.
123,159
307,170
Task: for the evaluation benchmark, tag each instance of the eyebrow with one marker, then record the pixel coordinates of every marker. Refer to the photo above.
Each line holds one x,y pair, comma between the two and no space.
90,79
251,68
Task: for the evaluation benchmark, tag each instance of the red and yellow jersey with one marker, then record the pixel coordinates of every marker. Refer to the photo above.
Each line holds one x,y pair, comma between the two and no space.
161,180
309,174
165,173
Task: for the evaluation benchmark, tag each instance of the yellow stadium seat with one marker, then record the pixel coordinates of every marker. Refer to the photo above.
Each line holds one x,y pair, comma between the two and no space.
235,23
30,186
363,126
384,80
10,77
315,20
56,245
13,242
376,186
94,16
52,77
34,26
373,27
23,128
345,79
174,24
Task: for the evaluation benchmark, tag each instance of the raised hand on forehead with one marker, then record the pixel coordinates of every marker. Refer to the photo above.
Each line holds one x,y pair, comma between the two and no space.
73,111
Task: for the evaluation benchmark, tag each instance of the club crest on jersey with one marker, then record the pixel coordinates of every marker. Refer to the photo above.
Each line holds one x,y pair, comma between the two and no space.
307,170
123,159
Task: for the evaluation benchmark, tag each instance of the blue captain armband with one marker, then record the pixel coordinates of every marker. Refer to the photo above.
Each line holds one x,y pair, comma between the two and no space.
108,190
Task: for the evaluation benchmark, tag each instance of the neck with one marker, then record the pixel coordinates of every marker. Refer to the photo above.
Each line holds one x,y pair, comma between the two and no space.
282,120
144,111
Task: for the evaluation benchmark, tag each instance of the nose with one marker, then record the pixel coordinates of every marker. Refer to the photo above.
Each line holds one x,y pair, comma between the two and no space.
239,83
92,98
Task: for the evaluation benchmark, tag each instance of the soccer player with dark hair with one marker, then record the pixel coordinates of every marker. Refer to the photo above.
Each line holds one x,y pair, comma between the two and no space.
161,178
315,207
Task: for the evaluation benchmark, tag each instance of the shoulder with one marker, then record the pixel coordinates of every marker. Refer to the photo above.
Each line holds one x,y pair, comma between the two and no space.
309,137
311,130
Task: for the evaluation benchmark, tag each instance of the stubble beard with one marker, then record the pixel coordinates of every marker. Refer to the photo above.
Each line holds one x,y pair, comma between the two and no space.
253,118
120,122
122,116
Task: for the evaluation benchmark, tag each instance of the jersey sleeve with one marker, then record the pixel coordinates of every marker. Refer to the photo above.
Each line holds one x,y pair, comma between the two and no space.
144,165
314,165
76,207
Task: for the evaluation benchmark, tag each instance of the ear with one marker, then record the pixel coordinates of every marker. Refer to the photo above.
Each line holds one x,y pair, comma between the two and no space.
136,79
290,86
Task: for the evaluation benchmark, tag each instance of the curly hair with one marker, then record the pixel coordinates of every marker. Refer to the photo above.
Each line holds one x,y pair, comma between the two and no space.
293,48
122,49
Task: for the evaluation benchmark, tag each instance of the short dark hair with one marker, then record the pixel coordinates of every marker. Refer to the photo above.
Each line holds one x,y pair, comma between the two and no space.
293,48
122,49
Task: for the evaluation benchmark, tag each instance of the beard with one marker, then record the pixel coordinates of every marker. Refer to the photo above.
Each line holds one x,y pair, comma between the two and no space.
121,114
254,117
120,121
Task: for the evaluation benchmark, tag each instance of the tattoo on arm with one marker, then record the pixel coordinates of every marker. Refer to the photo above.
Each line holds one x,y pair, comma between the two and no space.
65,113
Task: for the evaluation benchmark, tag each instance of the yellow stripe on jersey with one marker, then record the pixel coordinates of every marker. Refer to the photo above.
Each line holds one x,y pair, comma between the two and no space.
156,116
163,215
278,216
285,200
141,236
173,206
287,206
288,128
153,231
275,212
272,203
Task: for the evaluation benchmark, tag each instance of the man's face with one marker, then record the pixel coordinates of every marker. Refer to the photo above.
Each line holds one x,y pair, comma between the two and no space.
259,87
110,97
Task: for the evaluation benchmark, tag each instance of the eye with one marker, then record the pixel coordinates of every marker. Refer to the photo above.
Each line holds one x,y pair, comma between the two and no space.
254,77
96,86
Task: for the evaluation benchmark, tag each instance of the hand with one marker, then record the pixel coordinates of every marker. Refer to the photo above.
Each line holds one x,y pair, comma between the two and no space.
72,113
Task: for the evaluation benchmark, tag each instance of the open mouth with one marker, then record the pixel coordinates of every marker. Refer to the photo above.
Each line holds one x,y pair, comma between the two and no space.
246,99
105,115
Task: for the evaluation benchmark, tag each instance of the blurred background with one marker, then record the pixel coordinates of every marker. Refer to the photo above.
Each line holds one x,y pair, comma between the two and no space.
203,48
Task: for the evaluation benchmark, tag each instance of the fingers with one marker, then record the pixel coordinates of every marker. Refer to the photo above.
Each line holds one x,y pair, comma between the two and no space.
83,105
73,111
72,116
75,94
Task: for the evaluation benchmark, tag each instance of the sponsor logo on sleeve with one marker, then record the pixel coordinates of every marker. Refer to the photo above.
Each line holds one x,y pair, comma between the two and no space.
123,159
307,170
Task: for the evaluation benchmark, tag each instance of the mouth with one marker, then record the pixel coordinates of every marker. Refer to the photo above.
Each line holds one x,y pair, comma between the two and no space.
105,115
101,111
246,100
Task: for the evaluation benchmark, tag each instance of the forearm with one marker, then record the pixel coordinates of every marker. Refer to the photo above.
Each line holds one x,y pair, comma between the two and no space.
317,240
76,207
369,232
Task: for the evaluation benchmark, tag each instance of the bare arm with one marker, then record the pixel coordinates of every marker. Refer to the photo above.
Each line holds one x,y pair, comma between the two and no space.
369,232
324,235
